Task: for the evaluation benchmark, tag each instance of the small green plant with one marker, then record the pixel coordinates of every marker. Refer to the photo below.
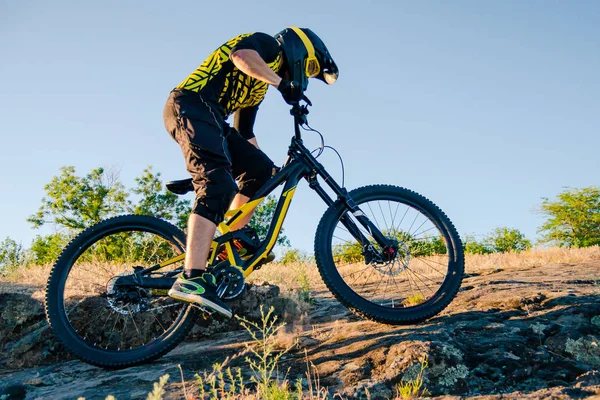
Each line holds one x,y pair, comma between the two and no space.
266,355
414,300
159,390
413,388
156,394
221,384
225,383
304,288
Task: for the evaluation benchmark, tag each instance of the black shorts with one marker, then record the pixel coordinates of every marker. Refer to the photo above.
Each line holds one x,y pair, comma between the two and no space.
215,154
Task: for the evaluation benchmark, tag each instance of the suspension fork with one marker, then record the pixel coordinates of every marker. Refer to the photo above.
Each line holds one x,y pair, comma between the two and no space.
344,197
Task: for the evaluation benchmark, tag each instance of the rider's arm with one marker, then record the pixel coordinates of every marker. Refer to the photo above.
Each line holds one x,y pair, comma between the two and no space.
251,55
243,122
249,62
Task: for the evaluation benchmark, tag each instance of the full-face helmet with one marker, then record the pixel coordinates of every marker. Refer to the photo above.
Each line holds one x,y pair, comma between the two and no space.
306,56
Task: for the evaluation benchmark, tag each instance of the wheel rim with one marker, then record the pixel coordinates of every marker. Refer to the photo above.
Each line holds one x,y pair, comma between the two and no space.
417,271
106,317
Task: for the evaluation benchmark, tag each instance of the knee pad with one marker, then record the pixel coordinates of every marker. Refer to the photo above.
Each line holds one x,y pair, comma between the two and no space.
215,196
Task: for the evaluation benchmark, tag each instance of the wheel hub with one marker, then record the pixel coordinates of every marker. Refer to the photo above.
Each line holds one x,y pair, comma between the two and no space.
394,258
126,300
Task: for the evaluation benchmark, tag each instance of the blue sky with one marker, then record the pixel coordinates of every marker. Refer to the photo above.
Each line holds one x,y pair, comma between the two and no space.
483,107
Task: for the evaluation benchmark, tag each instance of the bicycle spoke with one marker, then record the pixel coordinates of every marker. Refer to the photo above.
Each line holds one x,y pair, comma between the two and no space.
159,323
429,265
416,230
126,323
395,213
403,216
413,275
422,232
417,275
134,324
387,282
96,318
383,216
361,272
343,240
91,283
123,333
374,217
411,225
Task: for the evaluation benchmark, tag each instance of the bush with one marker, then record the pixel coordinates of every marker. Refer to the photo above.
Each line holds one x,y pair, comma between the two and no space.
503,240
46,249
12,255
573,218
472,246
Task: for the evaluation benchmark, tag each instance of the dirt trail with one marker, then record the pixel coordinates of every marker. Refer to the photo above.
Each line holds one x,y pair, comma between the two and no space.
521,332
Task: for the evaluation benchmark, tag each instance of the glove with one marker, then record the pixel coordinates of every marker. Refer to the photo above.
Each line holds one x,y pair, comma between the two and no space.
291,91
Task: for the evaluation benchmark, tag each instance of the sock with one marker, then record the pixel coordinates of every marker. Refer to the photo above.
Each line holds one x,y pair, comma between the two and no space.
192,273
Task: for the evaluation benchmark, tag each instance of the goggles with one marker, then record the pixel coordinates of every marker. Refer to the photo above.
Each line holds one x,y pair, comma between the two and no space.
312,68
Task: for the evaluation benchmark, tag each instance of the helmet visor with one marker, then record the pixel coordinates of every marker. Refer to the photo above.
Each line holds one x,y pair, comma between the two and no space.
330,77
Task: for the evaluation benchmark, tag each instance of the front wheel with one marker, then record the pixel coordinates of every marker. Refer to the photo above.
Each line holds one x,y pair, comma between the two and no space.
418,282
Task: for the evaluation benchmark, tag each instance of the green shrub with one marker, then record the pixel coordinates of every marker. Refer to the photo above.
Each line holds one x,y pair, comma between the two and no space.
573,219
12,255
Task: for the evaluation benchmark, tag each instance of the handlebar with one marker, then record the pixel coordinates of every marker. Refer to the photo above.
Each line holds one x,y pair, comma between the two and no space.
301,111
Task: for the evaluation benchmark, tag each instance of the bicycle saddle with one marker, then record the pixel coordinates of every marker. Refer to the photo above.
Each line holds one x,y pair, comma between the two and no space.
180,187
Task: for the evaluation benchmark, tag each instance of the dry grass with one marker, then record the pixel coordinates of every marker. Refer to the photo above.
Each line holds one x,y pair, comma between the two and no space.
418,284
531,258
288,276
301,278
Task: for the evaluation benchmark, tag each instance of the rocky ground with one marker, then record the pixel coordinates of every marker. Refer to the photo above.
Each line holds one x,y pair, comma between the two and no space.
527,332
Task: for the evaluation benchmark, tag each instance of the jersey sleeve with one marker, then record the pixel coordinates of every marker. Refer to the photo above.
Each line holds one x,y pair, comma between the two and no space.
243,121
265,45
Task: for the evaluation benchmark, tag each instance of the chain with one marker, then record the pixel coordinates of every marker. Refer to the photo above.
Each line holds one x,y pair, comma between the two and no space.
160,307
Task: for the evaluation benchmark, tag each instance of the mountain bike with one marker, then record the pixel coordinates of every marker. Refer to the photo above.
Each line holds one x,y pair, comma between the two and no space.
385,252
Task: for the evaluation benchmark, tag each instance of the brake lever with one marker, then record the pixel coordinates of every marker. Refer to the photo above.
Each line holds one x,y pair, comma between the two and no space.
307,100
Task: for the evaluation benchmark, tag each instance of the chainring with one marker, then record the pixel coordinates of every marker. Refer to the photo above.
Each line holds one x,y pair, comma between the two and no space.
230,281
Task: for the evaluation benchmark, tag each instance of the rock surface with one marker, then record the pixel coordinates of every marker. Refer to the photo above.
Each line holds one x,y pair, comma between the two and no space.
530,332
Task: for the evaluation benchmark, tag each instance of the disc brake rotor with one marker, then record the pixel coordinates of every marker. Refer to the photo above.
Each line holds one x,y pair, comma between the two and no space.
126,300
397,264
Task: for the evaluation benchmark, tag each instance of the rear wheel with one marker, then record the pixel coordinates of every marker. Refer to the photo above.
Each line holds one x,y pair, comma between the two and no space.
112,325
422,277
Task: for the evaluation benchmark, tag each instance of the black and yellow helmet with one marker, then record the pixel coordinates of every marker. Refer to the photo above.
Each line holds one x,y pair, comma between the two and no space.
306,56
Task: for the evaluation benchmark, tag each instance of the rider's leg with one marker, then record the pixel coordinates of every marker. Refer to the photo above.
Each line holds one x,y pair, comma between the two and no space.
198,130
200,232
252,169
238,201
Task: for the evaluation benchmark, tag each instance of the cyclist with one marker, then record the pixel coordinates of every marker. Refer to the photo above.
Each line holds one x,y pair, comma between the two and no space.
233,80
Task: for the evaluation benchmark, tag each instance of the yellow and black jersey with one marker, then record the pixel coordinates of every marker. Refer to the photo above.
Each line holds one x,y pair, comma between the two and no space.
219,81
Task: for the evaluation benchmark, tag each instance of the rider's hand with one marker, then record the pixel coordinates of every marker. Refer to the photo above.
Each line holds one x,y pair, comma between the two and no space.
291,91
